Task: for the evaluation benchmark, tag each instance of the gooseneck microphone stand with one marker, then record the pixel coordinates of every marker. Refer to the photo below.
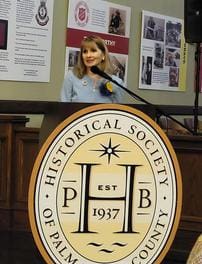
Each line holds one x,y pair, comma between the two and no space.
96,70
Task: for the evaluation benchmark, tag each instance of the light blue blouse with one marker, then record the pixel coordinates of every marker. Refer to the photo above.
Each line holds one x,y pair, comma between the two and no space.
82,90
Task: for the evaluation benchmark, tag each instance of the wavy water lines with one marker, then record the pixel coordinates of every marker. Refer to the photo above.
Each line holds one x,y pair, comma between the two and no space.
104,249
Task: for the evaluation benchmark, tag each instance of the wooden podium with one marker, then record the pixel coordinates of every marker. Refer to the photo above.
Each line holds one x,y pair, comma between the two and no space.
58,112
188,149
103,128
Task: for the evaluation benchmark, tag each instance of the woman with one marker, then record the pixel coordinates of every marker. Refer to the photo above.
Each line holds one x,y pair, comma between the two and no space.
82,85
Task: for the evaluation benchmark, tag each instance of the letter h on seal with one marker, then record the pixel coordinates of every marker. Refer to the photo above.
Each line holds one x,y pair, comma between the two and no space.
86,170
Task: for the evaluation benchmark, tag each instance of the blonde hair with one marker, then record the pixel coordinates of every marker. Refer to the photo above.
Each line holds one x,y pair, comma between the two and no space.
105,65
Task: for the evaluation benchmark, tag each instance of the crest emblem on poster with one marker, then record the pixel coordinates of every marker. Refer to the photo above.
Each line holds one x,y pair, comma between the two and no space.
81,13
105,188
42,17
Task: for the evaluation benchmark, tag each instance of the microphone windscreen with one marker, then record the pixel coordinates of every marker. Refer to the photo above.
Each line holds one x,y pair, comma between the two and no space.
101,73
95,69
106,88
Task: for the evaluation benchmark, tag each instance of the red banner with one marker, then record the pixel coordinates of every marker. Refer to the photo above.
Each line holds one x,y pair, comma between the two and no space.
115,44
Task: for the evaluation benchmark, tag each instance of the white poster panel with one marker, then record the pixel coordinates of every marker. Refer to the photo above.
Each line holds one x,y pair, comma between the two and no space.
163,54
25,40
95,17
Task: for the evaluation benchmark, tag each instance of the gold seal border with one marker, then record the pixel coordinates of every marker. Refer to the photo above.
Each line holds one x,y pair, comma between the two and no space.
59,128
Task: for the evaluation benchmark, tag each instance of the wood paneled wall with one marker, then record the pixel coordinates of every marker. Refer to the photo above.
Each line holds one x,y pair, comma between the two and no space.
18,150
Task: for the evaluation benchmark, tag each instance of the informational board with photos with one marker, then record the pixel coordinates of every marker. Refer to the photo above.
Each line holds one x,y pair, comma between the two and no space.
25,40
109,21
163,53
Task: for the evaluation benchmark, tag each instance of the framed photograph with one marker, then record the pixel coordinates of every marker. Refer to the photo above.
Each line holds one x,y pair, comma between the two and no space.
3,34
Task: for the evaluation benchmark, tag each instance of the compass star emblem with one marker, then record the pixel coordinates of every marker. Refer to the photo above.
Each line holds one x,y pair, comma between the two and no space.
109,150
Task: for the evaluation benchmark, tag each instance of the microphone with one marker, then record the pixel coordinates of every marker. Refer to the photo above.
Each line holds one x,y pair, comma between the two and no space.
101,73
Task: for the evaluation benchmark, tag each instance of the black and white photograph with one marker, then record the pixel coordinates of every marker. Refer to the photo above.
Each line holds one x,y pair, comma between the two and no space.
172,57
154,28
173,34
73,58
119,66
173,76
117,21
146,72
158,55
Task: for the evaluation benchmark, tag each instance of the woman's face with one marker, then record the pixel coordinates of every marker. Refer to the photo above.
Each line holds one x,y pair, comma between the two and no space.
92,55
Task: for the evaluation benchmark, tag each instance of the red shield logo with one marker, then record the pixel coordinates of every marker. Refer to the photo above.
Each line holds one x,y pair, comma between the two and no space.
82,13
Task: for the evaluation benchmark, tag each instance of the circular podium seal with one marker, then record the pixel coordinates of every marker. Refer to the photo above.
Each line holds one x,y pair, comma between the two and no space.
105,188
